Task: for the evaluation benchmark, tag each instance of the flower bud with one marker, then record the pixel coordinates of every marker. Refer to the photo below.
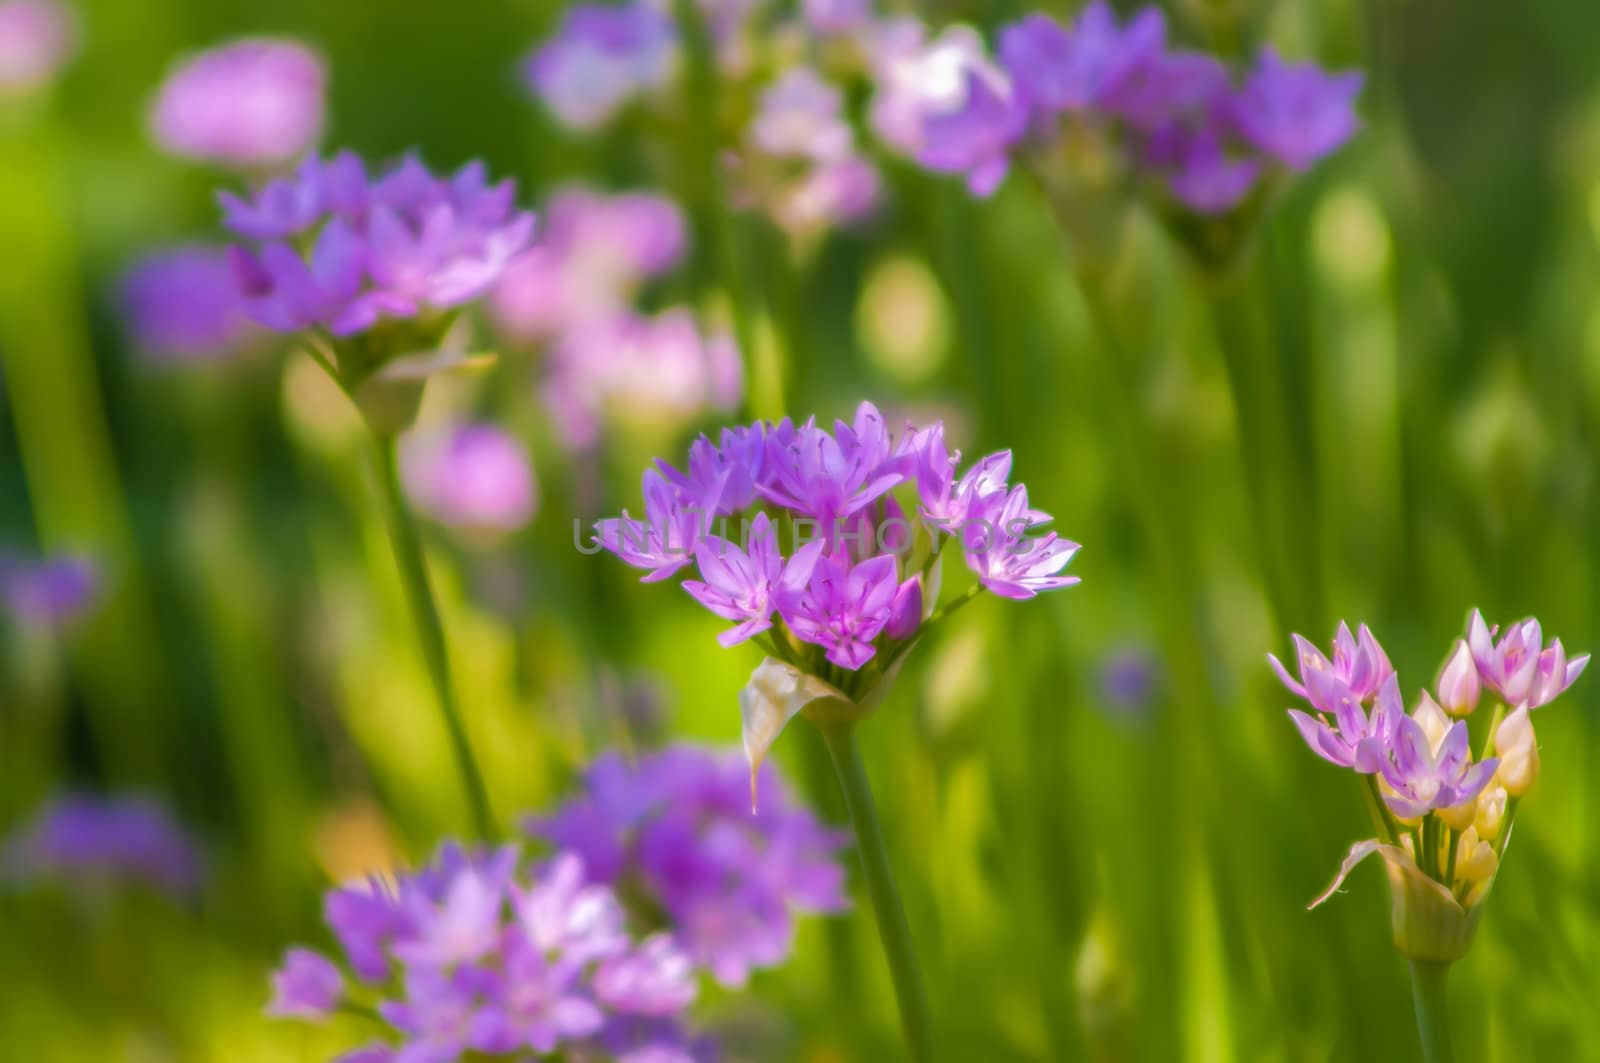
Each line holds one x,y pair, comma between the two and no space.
1435,724
905,611
1459,817
1518,747
1459,686
1491,812
1476,864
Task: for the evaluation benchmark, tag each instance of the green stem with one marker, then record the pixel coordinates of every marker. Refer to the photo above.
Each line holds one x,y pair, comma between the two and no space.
892,926
1450,860
1380,811
413,567
763,393
1433,1021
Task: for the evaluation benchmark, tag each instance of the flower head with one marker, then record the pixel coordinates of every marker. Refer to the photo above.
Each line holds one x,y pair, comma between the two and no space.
1445,818
848,591
184,304
248,104
404,245
100,843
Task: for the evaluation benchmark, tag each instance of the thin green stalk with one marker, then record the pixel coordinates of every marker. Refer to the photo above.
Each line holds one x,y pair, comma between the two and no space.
1433,1021
1450,860
1282,508
765,396
419,592
892,927
1380,811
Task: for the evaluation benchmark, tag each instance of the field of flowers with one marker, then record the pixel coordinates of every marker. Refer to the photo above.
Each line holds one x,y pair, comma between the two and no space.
551,531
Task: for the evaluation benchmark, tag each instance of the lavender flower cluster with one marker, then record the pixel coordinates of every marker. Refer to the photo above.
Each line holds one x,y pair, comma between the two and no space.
869,578
573,294
478,953
90,843
1421,765
1176,115
675,831
404,245
658,873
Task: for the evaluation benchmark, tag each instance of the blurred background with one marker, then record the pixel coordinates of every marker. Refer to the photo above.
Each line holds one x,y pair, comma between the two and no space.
1105,828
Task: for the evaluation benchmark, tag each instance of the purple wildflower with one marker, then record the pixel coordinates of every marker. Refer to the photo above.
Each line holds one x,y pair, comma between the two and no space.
84,841
475,477
737,584
1058,68
50,590
802,116
841,607
184,304
1198,169
1358,662
1296,113
1360,742
37,37
845,592
1007,560
1423,776
677,826
405,245
600,59
307,986
248,104
1519,666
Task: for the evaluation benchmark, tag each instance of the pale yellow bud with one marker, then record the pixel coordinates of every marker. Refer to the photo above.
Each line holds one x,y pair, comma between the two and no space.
1475,895
1458,817
1491,812
1458,682
1476,864
1518,747
1435,724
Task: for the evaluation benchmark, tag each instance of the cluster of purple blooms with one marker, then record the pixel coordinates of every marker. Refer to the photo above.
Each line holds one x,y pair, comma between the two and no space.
1178,115
573,293
676,830
658,873
93,844
868,577
334,250
1422,765
478,954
